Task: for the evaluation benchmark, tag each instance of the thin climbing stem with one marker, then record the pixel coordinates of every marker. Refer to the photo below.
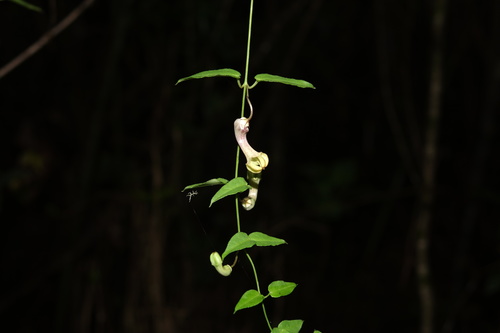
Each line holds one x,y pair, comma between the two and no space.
244,86
245,83
237,163
246,98
251,107
258,288
247,61
237,206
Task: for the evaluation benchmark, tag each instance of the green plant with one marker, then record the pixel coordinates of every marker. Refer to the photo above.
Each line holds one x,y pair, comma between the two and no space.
256,162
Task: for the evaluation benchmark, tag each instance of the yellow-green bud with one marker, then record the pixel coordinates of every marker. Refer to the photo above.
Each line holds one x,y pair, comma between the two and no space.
216,261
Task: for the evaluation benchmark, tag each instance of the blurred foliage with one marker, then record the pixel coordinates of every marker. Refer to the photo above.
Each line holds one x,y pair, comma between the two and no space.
26,5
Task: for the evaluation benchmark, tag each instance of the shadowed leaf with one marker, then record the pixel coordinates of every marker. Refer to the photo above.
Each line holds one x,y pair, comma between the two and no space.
211,182
27,5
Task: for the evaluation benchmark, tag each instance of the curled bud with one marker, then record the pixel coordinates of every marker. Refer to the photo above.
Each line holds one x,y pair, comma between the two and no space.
216,261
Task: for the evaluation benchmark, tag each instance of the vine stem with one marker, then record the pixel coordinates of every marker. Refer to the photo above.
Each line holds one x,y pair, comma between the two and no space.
245,83
245,88
258,289
245,93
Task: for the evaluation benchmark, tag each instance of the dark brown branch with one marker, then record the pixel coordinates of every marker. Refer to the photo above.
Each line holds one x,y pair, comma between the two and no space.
388,100
429,162
45,39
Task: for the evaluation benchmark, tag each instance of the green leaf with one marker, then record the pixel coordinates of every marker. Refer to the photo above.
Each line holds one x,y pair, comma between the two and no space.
316,331
234,186
238,242
281,288
279,330
211,182
250,298
262,239
27,5
212,73
288,326
284,80
241,241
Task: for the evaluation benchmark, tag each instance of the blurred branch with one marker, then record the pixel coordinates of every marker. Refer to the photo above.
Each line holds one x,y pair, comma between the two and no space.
386,88
429,169
45,39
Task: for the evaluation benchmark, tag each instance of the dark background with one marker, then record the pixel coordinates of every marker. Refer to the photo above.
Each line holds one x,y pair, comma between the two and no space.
97,143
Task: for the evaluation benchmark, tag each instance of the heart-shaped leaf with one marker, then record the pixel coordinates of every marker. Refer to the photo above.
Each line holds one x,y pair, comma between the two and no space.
250,298
281,288
238,242
234,186
262,239
288,326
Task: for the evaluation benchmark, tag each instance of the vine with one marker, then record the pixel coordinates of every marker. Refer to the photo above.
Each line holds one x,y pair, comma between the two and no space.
256,162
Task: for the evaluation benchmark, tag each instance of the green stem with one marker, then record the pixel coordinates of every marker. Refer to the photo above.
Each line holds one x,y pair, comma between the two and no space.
247,61
245,92
237,162
237,205
243,98
258,289
245,83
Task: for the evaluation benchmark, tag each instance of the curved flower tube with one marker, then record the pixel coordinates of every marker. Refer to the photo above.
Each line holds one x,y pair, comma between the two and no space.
253,180
256,162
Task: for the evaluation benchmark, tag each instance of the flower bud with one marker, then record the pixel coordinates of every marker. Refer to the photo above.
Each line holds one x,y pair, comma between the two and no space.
216,261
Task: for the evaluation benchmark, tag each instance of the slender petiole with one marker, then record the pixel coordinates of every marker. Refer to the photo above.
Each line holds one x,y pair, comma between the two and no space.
251,107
